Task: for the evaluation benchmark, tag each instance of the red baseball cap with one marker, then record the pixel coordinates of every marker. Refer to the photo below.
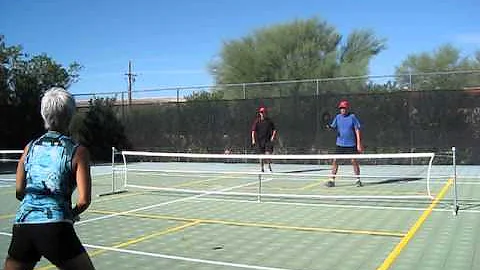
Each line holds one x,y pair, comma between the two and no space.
262,109
344,104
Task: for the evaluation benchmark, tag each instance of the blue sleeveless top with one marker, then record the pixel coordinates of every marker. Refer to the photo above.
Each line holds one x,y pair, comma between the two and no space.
49,180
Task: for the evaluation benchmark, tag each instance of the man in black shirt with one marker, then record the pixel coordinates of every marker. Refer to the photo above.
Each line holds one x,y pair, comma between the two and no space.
263,135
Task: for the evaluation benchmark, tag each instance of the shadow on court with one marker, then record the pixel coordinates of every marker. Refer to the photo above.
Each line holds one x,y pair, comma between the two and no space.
306,170
380,182
393,181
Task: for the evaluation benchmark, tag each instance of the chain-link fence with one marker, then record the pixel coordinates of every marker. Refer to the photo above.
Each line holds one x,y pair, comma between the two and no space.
446,80
394,119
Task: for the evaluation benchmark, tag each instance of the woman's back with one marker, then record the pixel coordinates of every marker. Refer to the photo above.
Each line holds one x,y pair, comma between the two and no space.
49,180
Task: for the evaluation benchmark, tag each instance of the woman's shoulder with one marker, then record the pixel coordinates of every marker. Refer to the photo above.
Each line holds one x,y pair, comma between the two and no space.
81,154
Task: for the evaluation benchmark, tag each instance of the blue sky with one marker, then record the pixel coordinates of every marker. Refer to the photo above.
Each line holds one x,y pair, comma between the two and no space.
172,42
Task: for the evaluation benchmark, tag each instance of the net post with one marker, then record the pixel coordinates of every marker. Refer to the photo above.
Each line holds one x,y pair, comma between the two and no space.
113,169
125,170
113,190
430,164
455,194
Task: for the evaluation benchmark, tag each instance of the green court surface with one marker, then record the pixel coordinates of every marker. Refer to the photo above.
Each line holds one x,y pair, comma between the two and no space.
154,229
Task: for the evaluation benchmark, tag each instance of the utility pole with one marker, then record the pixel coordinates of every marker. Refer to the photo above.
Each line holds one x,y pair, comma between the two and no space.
131,80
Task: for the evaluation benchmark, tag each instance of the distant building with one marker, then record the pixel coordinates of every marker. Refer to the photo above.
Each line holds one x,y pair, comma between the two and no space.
138,101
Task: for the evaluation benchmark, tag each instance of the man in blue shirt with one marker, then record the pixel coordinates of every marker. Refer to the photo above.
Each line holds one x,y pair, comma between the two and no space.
349,139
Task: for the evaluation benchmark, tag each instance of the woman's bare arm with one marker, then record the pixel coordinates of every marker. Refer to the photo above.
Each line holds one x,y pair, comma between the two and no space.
20,181
81,163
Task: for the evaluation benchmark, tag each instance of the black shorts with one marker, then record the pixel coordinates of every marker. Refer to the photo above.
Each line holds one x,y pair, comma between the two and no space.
264,147
57,242
346,150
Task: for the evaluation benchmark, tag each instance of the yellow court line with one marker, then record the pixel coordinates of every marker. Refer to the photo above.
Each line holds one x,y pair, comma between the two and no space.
134,241
356,192
187,184
194,182
387,263
312,185
311,229
201,181
148,236
259,225
320,182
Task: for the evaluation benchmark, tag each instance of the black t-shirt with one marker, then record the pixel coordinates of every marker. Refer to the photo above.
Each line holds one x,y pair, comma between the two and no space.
263,129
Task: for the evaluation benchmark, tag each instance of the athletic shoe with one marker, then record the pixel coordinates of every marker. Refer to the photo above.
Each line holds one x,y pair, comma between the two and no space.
330,183
358,183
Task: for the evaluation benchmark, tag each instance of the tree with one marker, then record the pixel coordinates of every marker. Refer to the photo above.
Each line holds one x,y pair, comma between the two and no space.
100,129
23,80
444,68
389,86
204,95
302,49
8,55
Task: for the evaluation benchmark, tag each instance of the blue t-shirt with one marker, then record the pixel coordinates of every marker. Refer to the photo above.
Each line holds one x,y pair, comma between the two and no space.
346,126
49,180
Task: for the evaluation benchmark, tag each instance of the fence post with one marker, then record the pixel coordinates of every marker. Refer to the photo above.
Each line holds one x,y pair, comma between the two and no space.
410,86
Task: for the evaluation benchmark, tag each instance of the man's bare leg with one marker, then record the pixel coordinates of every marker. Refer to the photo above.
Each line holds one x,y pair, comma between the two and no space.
356,170
331,181
269,161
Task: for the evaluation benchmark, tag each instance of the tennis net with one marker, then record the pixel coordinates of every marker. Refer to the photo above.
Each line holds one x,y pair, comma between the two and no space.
8,165
384,176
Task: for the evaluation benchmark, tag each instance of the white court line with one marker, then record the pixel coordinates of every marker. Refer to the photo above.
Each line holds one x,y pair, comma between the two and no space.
340,206
165,203
101,173
178,258
460,182
5,184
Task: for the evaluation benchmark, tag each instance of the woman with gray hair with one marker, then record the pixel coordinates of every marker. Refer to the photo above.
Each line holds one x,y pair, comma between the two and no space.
50,169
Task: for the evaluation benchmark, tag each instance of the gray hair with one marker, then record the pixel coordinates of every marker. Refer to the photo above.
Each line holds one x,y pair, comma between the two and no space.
57,109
